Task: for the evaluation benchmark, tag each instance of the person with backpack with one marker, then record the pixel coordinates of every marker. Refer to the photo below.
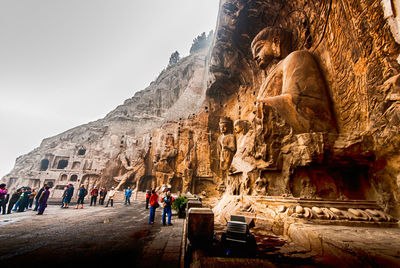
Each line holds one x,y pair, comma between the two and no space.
37,197
81,196
167,202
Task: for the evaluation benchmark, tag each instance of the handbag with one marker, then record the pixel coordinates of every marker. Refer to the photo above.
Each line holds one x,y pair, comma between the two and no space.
156,205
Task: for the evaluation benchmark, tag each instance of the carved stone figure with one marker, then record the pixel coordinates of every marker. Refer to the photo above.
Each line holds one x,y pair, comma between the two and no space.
226,143
294,87
242,160
226,146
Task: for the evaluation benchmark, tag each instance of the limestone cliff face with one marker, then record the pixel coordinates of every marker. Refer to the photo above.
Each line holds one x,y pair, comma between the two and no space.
112,150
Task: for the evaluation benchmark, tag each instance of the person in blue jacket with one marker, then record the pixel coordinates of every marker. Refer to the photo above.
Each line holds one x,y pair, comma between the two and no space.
128,194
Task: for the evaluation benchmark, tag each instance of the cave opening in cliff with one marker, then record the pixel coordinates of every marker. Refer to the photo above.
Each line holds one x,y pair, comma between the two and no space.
64,177
81,151
73,178
50,183
332,182
62,164
44,164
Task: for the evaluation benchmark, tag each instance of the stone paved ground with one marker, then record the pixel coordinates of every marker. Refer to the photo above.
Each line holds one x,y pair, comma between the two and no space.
93,235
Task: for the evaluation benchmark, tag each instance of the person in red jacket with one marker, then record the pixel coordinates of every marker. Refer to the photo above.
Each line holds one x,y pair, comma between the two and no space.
148,194
94,193
153,205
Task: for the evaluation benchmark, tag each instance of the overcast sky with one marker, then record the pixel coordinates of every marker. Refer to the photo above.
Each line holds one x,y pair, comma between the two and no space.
67,62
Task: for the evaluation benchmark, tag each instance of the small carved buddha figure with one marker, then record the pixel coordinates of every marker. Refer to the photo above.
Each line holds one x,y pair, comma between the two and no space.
294,86
226,143
242,160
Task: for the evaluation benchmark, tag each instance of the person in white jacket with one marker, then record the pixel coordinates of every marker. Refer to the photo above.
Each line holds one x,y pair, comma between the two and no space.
111,195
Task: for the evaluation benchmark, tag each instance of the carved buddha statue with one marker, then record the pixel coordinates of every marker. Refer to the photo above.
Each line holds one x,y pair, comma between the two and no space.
293,86
226,143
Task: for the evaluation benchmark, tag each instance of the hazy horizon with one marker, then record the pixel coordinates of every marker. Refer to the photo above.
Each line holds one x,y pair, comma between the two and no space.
66,63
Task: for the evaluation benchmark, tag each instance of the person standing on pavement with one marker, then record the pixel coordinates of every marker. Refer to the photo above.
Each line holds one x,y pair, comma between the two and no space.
69,195
153,205
31,198
103,193
81,196
128,194
43,200
23,200
3,196
148,194
167,202
37,197
21,196
14,198
63,196
94,193
28,196
111,195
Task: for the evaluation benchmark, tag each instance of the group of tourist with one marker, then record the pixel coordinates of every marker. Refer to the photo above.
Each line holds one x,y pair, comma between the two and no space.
23,198
166,200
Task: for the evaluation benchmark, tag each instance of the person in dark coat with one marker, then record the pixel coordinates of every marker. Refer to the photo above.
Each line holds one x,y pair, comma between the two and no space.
3,196
103,193
37,197
81,196
43,200
68,196
63,200
14,198
94,193
28,193
23,201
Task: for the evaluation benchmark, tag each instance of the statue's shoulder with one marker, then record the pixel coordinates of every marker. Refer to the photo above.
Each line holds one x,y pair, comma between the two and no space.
299,55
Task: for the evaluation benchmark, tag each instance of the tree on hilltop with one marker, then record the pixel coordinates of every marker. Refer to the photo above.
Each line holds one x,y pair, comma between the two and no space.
201,41
174,58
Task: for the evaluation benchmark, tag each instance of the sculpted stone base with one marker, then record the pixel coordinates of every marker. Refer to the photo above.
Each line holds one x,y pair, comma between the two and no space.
278,213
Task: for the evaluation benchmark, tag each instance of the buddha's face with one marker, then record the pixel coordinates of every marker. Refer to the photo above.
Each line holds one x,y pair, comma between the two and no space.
223,127
237,127
263,53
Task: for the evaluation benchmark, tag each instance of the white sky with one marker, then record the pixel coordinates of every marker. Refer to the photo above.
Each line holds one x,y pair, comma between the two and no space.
67,62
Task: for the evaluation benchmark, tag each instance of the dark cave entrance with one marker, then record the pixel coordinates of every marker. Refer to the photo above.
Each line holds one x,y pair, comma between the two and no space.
62,164
44,164
332,182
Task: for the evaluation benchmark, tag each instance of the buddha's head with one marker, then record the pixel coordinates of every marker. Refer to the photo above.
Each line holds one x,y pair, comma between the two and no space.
225,125
241,126
271,43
